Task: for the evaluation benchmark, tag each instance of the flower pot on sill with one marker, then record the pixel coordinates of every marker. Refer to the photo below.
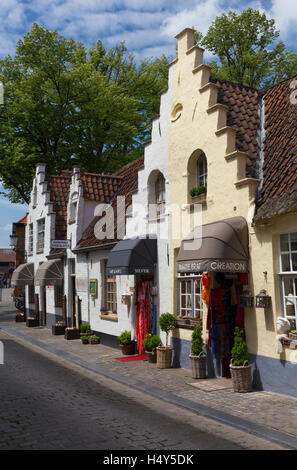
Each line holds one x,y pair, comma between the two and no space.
164,356
58,329
198,366
151,356
72,333
127,349
242,378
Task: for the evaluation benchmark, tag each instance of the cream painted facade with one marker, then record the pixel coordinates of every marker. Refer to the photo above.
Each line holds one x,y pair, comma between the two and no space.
198,124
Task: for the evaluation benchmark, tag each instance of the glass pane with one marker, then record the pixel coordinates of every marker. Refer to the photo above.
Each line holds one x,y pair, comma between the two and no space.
294,261
288,286
293,237
284,242
285,263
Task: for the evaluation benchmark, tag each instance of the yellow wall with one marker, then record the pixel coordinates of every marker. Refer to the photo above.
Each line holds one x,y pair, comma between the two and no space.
198,124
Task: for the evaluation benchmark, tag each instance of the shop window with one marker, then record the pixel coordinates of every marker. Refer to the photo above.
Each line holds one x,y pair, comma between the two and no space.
160,195
30,246
288,267
202,171
40,234
31,295
58,296
190,302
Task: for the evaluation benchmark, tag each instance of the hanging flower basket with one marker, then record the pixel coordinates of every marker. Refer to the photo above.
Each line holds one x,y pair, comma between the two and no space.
242,377
198,366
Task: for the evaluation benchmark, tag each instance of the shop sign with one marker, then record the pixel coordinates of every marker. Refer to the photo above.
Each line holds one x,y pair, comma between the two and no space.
60,244
212,266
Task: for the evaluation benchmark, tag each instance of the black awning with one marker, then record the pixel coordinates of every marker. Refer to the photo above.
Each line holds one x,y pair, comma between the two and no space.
132,256
221,246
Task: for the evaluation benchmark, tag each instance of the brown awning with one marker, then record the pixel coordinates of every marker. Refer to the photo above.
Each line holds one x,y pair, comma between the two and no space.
23,275
218,246
50,273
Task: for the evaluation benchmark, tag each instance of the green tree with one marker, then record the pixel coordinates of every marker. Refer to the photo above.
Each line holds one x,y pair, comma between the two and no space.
247,50
66,106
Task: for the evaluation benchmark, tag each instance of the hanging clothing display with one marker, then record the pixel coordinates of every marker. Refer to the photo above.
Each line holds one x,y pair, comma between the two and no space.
224,313
143,314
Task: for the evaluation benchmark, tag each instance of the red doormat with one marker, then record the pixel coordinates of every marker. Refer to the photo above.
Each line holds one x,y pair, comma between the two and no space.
138,357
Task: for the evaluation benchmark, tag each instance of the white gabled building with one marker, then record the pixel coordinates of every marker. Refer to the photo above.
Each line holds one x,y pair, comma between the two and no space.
113,306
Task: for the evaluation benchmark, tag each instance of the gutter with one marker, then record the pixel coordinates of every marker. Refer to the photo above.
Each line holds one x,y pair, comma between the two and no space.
93,248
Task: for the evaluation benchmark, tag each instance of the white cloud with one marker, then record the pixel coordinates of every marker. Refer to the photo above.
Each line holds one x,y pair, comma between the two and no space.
6,228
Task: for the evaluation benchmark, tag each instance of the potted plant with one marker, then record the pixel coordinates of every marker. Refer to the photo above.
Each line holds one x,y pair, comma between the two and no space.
126,344
72,333
93,339
85,329
167,323
103,311
240,367
20,317
32,322
84,339
59,328
197,356
150,343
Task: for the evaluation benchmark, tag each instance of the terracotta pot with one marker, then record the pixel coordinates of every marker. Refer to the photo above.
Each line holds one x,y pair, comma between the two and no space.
127,349
151,356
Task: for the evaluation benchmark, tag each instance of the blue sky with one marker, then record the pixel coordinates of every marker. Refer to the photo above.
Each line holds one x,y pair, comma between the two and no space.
147,26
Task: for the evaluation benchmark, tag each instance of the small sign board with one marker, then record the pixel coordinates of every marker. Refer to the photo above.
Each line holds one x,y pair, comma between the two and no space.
60,243
93,287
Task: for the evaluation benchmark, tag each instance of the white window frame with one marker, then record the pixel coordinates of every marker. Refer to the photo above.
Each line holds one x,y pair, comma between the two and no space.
40,234
192,277
284,275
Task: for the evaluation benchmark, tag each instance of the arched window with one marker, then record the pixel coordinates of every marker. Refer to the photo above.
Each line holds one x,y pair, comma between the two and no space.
160,195
202,171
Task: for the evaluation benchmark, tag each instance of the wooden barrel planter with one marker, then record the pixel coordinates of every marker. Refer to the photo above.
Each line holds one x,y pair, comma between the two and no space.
242,378
164,357
198,366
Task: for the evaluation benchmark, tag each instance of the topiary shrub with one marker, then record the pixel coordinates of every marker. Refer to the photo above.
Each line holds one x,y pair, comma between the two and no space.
167,323
197,341
84,328
150,342
239,351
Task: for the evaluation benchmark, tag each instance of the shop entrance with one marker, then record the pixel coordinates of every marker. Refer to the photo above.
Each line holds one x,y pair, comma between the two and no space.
146,308
224,314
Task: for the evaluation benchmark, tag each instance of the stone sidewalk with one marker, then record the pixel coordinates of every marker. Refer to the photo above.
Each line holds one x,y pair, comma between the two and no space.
264,414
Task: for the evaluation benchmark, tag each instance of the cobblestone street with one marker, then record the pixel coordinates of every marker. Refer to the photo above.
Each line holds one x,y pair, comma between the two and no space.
47,402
